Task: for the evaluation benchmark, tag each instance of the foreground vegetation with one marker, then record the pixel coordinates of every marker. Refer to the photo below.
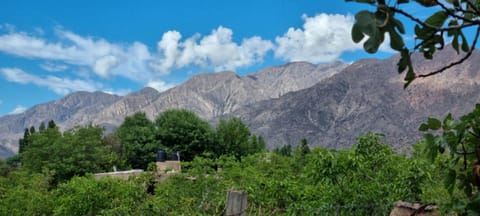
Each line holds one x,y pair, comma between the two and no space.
52,173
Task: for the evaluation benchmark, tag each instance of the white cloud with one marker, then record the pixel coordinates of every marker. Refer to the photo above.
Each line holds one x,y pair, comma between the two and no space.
19,109
159,85
60,86
52,67
323,38
169,46
216,50
103,65
104,58
134,61
121,92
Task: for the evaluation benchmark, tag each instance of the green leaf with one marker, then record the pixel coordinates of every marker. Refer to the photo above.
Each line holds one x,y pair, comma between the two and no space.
448,122
431,149
455,44
427,3
398,25
357,34
450,180
434,123
437,19
373,43
366,24
409,77
465,46
423,127
396,41
404,61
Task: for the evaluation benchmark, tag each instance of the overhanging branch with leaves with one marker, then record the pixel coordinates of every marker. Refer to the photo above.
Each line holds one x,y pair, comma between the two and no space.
452,17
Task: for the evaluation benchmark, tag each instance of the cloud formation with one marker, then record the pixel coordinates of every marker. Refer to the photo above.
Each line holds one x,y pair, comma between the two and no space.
59,85
323,38
19,109
134,61
216,50
51,67
98,54
159,85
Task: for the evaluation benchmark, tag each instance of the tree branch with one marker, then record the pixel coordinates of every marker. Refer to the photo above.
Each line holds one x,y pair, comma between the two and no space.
450,13
469,53
422,23
474,7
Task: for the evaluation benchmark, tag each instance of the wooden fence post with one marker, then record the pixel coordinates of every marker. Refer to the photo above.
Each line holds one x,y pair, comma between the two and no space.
236,203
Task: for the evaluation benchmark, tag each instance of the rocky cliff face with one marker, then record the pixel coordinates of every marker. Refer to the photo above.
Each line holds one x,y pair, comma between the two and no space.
209,95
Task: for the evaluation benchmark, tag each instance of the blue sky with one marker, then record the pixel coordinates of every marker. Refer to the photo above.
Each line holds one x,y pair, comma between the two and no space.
49,49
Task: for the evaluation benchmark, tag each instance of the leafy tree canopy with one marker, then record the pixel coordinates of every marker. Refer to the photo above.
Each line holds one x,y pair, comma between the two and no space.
185,132
138,142
75,152
235,138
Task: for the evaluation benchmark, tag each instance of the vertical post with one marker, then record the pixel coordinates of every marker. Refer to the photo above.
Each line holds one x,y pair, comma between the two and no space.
236,203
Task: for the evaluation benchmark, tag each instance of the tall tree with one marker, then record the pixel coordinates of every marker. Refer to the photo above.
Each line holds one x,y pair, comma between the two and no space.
183,131
42,127
137,137
235,138
23,142
51,124
32,130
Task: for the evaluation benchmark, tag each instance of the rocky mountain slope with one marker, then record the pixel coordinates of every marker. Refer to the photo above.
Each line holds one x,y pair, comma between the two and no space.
209,95
368,96
216,94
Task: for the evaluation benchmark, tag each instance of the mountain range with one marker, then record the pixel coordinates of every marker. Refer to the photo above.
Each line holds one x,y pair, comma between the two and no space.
328,104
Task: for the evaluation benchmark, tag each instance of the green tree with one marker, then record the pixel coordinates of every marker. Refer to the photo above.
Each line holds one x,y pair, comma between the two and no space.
235,138
448,22
51,124
32,130
75,152
41,127
302,147
185,132
23,142
40,147
137,136
300,153
285,150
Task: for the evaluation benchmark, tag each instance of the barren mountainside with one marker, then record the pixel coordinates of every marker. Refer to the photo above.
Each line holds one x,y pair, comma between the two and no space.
329,105
368,96
209,95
